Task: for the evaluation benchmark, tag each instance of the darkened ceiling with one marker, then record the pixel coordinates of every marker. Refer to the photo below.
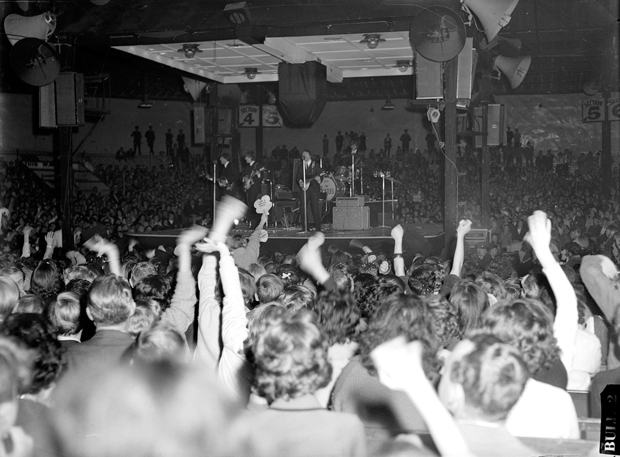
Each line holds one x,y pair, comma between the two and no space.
570,41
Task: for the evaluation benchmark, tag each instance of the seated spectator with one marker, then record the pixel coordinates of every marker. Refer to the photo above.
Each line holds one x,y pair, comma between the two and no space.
483,380
291,364
109,305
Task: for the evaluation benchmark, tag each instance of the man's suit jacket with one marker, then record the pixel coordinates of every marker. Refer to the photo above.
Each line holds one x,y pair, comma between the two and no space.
100,352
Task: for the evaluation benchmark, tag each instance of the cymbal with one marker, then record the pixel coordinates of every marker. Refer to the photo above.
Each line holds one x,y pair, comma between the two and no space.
395,181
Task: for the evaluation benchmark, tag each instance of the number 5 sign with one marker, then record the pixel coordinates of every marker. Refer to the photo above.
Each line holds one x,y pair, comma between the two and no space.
593,110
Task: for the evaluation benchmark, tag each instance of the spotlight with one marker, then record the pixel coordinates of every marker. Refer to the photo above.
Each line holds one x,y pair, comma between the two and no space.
189,50
251,73
403,65
372,40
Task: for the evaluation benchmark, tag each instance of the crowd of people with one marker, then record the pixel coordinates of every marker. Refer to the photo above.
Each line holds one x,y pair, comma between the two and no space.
224,347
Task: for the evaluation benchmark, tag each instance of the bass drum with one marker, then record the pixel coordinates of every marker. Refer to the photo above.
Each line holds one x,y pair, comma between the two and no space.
332,188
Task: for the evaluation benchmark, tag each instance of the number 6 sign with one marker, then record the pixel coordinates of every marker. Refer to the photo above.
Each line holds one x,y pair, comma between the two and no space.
613,109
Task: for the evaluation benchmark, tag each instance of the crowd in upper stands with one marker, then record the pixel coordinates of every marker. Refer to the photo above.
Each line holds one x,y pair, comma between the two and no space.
223,347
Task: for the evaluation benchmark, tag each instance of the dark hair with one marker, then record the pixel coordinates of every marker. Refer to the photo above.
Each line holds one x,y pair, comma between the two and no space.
250,154
338,315
225,155
402,315
445,319
33,331
471,302
426,278
370,292
45,280
155,287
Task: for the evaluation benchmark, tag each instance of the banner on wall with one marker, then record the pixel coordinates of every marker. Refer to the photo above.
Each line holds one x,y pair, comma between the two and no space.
600,109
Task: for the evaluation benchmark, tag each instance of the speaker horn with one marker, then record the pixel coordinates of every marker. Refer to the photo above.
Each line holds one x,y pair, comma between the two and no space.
515,68
437,33
193,87
492,14
35,62
17,27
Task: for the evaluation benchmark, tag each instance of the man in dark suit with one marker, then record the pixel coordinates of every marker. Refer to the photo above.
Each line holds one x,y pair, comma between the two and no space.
228,176
109,305
308,177
252,182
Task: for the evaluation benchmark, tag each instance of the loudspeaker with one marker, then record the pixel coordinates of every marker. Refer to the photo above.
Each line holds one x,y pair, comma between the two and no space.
238,14
351,217
493,14
285,207
428,80
302,91
437,33
70,99
514,68
495,125
47,106
41,27
465,70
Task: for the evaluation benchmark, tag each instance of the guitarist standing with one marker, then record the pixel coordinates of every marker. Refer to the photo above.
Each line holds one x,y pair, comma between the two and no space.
228,176
251,178
311,187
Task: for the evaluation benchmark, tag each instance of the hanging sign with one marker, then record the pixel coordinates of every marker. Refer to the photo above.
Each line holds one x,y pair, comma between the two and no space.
249,116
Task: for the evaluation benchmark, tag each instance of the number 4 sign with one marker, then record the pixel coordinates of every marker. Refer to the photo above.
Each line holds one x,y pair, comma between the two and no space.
249,116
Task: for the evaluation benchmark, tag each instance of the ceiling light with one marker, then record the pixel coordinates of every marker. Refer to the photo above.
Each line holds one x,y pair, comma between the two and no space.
189,50
145,104
403,65
388,105
372,40
251,73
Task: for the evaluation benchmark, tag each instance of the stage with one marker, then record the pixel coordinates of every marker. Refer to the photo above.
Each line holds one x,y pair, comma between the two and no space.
427,239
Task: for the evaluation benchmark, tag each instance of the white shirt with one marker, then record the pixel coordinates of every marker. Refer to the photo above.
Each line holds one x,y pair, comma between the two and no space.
543,411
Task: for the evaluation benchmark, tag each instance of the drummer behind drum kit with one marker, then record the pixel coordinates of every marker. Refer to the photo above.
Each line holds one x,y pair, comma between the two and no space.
336,184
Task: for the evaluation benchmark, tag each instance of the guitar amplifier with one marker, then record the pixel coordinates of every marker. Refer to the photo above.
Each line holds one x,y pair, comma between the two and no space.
476,236
351,218
359,200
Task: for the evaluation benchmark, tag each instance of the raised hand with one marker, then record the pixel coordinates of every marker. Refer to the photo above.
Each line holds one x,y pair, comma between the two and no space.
398,363
539,234
464,227
192,235
397,232
49,239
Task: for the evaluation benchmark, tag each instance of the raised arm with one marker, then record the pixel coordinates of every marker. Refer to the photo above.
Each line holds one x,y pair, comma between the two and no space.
399,263
26,245
105,248
565,325
399,366
309,257
180,314
459,253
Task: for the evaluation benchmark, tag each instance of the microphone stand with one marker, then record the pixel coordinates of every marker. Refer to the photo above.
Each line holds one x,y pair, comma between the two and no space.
383,200
303,164
352,188
214,188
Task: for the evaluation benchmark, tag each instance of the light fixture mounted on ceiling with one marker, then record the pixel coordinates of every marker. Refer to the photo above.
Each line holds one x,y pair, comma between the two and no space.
251,73
388,104
189,50
372,40
403,65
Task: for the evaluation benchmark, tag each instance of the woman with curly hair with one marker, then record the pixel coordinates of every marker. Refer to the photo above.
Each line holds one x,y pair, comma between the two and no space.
45,281
291,364
385,412
527,325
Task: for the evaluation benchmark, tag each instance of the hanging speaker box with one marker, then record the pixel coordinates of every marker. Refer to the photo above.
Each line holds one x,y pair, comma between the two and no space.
302,90
34,61
437,33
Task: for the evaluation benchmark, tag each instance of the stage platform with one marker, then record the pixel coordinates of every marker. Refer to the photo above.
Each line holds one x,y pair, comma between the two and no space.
427,238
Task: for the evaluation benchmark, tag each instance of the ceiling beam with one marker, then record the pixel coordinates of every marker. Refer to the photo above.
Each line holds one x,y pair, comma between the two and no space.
288,51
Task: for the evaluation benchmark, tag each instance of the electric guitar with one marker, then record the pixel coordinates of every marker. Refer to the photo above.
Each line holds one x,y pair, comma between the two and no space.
222,182
305,185
248,180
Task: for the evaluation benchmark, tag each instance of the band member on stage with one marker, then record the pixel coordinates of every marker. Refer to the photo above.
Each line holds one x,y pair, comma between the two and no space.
251,179
311,187
228,176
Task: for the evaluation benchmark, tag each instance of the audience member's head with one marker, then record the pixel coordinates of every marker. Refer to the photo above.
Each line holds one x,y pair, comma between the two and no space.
30,303
290,355
527,325
110,301
338,315
483,379
45,280
268,288
296,297
65,314
471,302
9,294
